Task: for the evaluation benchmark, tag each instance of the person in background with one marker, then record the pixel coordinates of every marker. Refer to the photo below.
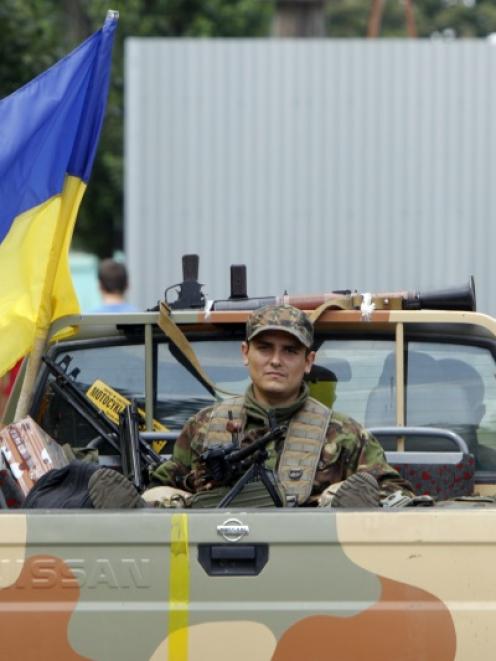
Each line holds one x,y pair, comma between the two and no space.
113,282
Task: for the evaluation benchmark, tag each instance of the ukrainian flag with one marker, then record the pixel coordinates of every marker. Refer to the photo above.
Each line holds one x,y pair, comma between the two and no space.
49,131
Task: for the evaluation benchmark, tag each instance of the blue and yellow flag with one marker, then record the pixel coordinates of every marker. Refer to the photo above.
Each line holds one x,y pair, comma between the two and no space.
49,131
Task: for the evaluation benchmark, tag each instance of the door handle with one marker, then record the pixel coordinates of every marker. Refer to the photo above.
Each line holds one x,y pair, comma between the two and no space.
233,559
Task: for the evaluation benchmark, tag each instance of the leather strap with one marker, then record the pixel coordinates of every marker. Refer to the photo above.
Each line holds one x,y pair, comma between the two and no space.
180,341
338,303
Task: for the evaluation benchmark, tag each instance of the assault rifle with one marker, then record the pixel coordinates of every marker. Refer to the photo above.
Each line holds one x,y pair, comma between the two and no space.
225,462
64,385
130,445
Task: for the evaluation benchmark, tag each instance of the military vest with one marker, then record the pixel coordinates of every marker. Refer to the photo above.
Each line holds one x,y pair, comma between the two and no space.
302,446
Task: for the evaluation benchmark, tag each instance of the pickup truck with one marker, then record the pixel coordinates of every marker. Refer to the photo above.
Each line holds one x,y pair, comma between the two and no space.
411,583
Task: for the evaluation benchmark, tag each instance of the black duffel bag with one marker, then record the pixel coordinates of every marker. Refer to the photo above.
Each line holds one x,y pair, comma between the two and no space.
65,488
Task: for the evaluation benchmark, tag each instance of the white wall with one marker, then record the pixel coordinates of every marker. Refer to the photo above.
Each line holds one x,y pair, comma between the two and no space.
320,164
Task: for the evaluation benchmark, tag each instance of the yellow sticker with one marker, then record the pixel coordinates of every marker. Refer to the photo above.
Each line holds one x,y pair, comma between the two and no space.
112,403
178,589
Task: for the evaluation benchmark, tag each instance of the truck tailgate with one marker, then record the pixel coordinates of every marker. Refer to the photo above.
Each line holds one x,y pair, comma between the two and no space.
223,585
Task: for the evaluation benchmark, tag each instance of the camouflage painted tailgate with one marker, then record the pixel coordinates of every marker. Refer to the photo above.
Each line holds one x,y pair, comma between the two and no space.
129,585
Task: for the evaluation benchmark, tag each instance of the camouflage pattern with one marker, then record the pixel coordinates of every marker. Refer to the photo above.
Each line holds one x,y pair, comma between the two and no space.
407,585
348,448
129,586
281,317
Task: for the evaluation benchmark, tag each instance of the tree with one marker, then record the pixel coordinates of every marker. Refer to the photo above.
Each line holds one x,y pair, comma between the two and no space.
28,43
459,18
100,224
36,33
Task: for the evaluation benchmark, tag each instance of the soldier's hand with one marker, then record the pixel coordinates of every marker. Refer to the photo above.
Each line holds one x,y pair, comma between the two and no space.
216,468
167,497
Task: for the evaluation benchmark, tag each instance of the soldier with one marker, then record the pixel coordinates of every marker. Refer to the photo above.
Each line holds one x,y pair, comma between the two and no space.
313,463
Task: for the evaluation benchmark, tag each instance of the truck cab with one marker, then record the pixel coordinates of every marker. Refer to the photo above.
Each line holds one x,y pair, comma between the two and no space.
272,583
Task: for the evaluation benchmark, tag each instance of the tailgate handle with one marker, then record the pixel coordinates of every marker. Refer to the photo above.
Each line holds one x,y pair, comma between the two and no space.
233,559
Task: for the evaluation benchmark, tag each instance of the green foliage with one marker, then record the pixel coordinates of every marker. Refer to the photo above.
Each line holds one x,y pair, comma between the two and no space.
36,33
27,42
462,18
465,21
103,203
347,18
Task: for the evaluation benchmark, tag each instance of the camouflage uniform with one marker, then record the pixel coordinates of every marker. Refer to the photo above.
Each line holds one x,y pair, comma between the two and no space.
281,318
347,449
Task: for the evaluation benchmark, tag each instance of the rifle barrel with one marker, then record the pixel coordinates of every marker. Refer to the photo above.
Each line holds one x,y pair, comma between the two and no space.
239,455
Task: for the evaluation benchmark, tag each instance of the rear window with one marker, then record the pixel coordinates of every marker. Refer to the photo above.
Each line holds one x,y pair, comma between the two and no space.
447,385
178,393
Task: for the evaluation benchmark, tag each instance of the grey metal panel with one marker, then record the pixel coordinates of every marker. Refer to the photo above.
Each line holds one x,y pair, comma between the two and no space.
320,164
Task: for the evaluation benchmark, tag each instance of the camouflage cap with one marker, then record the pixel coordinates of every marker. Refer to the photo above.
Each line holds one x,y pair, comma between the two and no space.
281,318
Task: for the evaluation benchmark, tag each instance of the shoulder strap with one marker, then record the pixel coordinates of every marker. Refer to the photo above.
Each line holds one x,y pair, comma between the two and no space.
302,448
187,355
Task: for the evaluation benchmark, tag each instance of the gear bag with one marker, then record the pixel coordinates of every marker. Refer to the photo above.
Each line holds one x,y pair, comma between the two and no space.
65,488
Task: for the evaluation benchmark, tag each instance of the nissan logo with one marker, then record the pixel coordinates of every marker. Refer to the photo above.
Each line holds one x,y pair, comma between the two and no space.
232,530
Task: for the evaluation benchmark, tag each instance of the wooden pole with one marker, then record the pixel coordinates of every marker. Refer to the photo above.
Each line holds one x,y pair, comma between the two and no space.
375,19
62,232
27,390
411,28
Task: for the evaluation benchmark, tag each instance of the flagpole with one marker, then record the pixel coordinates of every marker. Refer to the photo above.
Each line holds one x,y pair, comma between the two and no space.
63,210
70,200
27,388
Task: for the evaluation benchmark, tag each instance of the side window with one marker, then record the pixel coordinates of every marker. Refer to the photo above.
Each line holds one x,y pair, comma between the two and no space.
120,367
447,385
180,394
363,386
454,386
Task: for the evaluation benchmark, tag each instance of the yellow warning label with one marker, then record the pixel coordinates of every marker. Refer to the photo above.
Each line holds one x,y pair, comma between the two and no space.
112,403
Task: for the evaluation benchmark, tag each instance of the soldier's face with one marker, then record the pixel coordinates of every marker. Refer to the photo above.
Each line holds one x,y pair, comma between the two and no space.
277,363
